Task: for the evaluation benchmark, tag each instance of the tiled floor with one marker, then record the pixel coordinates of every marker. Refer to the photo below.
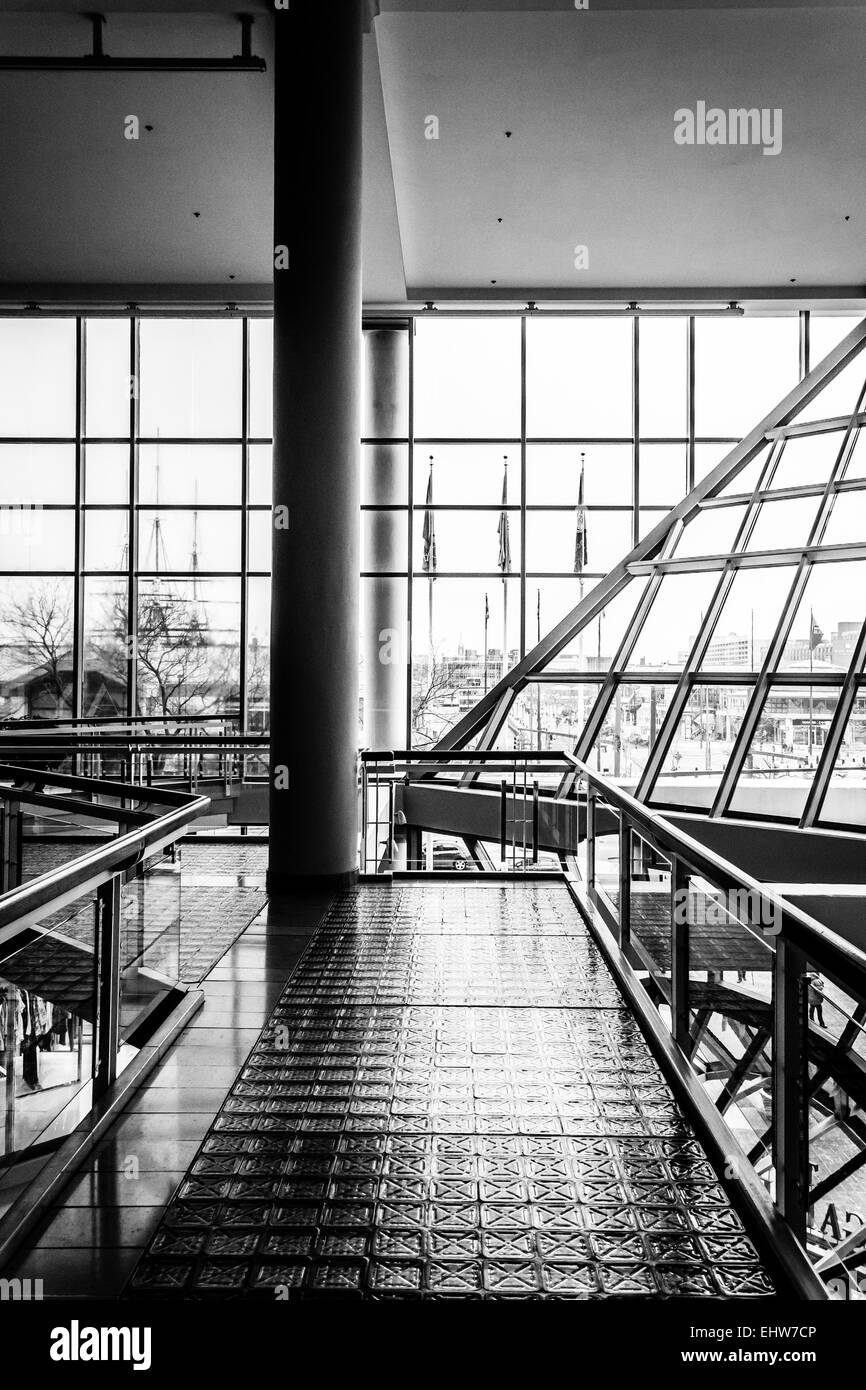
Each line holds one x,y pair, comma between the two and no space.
449,1100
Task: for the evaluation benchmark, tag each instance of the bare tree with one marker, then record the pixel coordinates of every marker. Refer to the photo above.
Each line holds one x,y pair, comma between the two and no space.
428,723
258,676
38,620
179,666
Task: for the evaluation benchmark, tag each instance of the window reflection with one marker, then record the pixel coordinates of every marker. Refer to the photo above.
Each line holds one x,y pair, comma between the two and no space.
845,799
748,619
467,378
743,367
191,378
36,638
37,378
459,630
784,751
546,716
188,647
578,377
631,725
827,619
701,746
670,629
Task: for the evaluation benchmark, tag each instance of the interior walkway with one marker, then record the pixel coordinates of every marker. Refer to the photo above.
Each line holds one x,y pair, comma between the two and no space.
449,1099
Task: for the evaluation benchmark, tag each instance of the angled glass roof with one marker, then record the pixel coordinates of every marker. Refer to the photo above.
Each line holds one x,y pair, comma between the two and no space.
719,666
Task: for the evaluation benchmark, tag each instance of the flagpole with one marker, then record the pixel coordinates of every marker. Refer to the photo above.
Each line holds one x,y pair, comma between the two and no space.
811,651
537,684
504,562
430,565
504,624
580,553
486,621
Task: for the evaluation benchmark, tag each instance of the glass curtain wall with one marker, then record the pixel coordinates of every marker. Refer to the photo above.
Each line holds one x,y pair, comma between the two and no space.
570,436
726,671
134,509
135,467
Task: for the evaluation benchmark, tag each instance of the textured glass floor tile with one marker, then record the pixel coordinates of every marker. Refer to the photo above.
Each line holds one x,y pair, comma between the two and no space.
450,1100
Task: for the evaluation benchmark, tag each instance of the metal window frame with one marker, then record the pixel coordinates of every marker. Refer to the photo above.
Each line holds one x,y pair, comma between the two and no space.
775,432
79,573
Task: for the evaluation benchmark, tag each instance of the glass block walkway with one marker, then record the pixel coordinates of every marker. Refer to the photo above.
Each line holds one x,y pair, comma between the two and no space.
450,1100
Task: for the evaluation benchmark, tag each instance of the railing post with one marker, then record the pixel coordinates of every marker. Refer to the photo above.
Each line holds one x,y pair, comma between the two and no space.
680,1022
591,801
625,847
790,1119
503,819
10,1043
106,1024
392,843
535,821
11,845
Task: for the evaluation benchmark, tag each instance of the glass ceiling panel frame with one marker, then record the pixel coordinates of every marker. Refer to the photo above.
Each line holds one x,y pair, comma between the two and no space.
655,555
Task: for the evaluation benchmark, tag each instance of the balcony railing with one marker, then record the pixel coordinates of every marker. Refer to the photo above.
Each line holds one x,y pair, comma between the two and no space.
419,812
764,1003
192,752
89,948
759,1008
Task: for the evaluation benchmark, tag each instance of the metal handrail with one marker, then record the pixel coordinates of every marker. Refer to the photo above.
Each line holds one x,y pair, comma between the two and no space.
117,741
37,778
59,722
174,742
402,755
30,902
806,931
812,936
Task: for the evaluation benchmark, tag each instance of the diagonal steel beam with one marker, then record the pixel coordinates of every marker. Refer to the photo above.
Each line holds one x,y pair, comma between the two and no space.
544,651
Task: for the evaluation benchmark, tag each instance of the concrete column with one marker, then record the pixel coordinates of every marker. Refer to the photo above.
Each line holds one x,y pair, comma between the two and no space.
317,422
384,635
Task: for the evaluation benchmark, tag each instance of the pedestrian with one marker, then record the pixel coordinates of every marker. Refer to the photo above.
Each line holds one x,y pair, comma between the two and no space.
816,1000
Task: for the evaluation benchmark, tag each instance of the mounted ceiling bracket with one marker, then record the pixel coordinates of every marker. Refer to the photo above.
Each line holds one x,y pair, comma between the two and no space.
99,61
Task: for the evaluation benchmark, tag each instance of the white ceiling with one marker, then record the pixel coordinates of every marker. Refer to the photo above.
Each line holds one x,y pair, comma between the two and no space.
589,98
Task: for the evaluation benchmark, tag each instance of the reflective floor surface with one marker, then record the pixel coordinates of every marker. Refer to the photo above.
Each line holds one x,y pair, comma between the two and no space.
450,1100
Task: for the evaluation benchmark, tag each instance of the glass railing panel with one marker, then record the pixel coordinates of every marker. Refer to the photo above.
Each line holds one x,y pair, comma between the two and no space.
496,813
835,1022
650,917
607,822
47,1010
151,959
731,958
